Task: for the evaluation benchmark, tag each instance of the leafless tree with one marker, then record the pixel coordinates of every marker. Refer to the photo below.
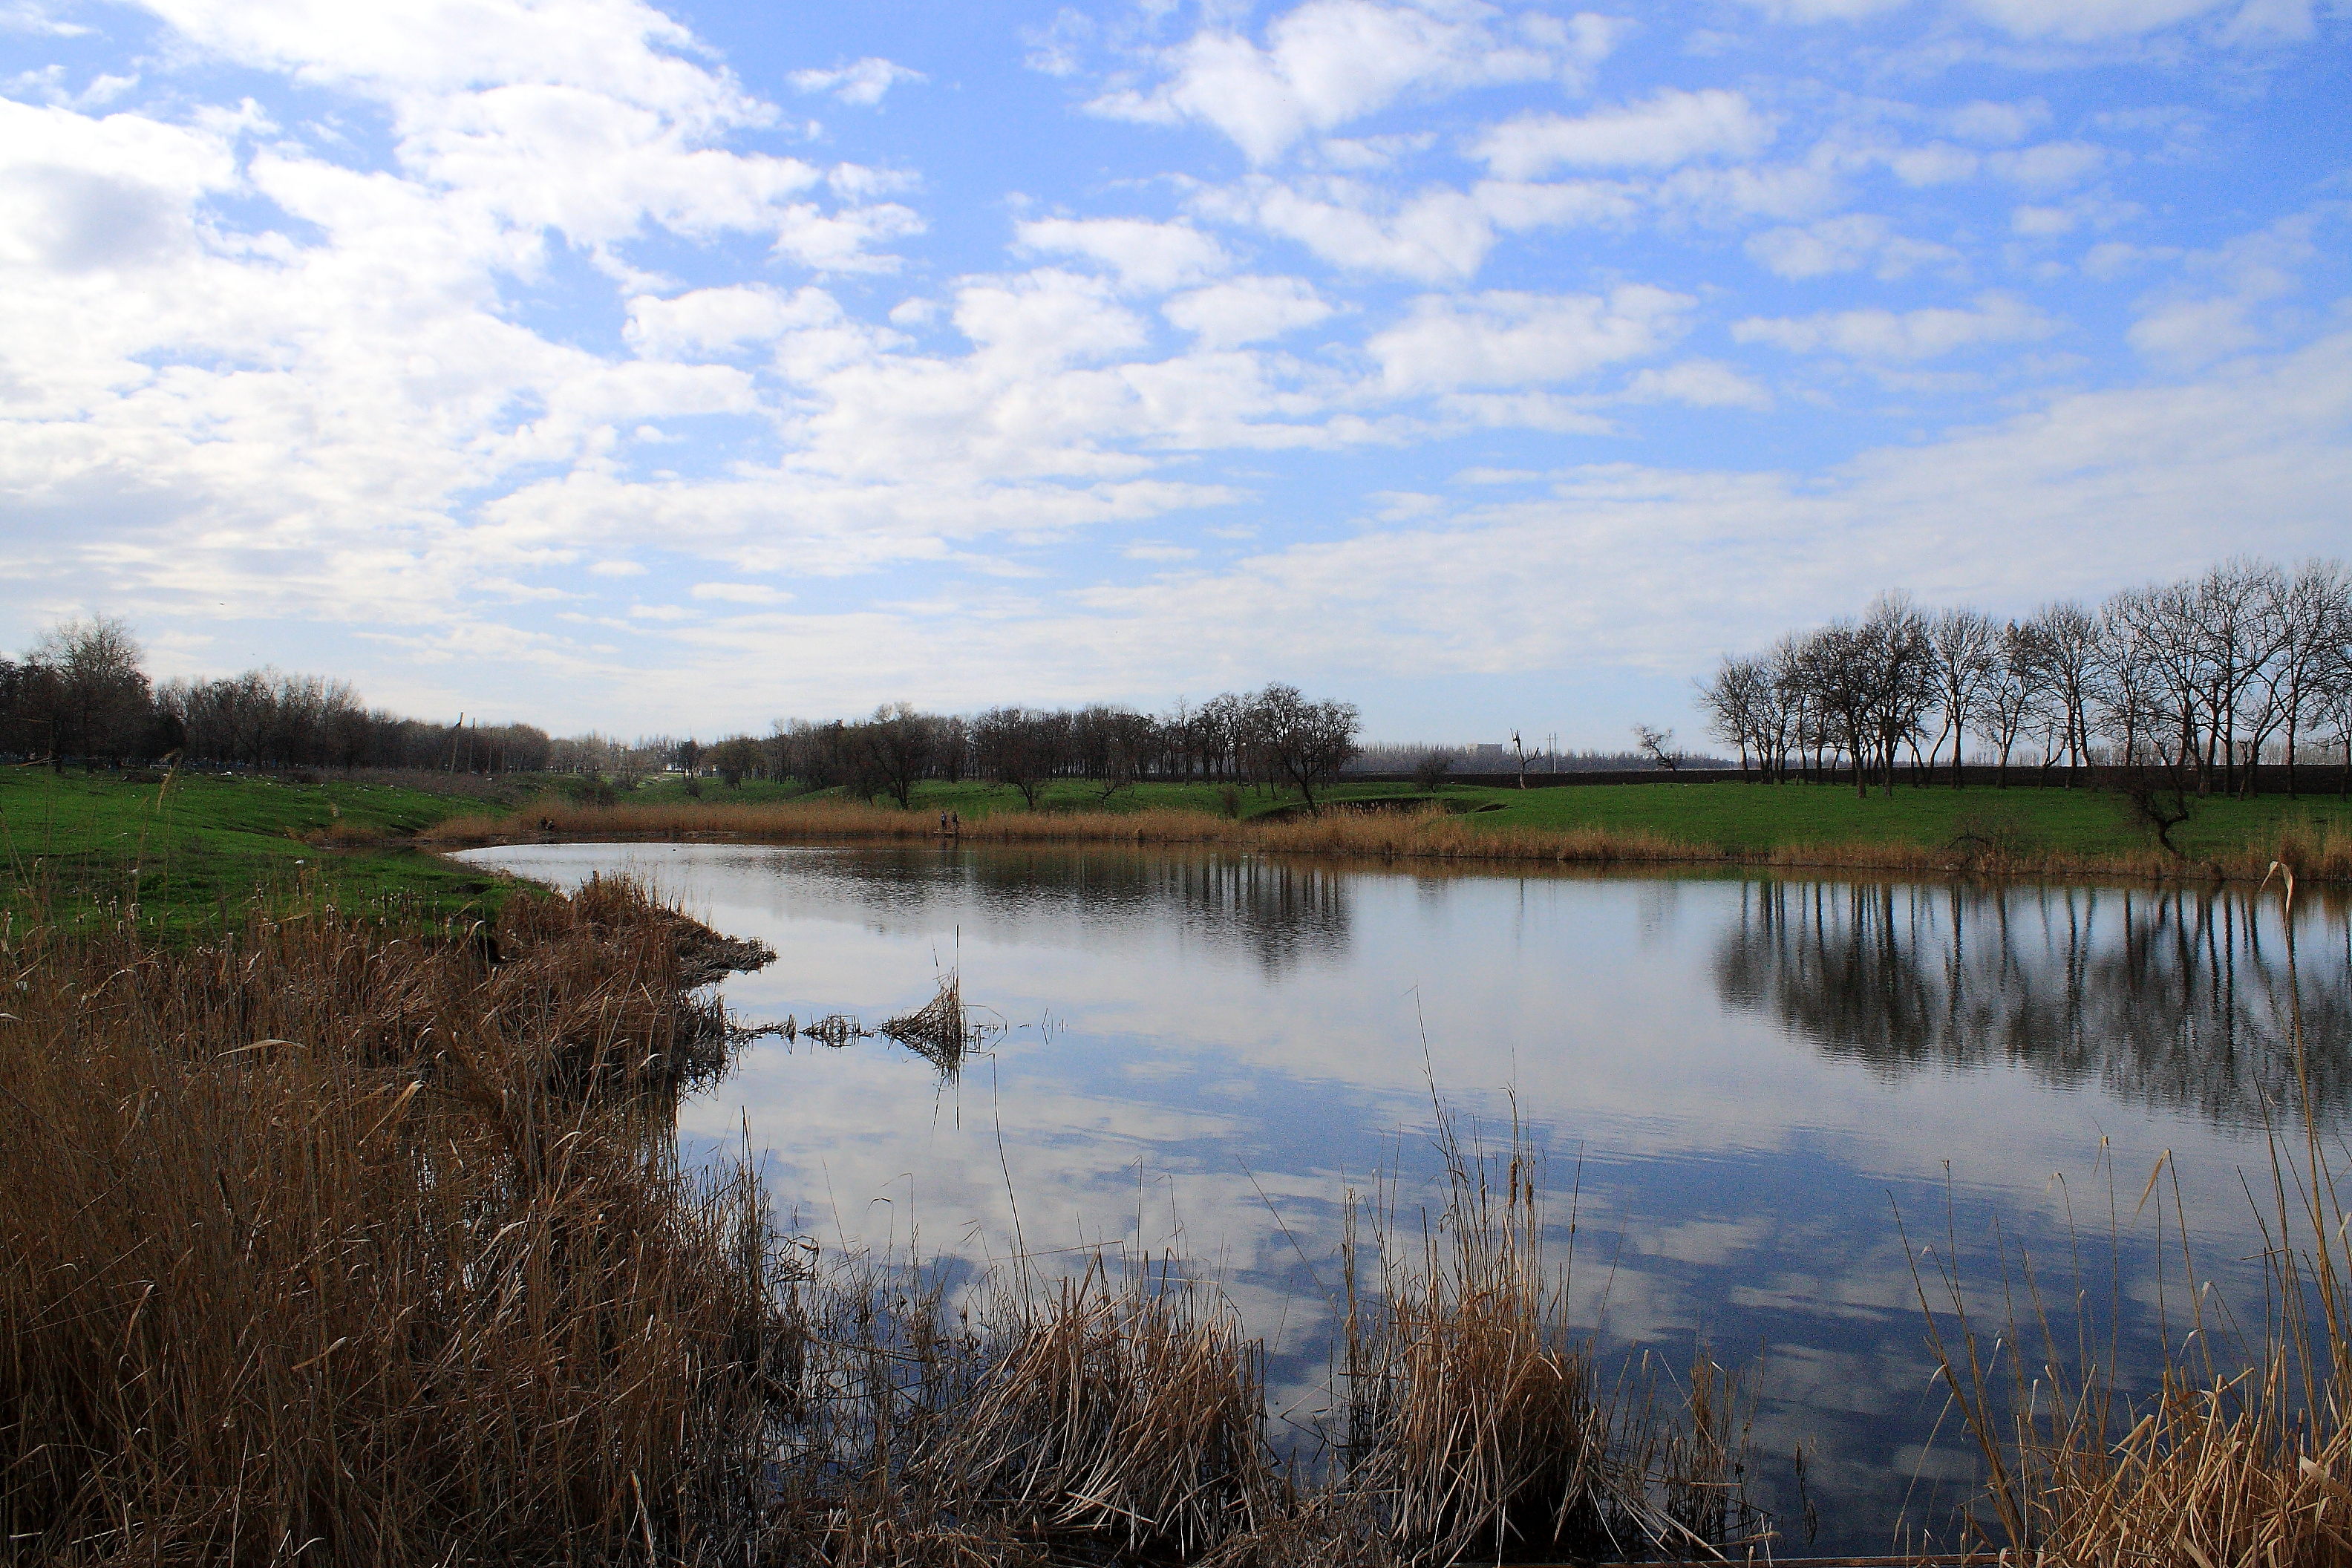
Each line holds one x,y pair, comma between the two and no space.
1961,643
2011,690
897,743
1304,741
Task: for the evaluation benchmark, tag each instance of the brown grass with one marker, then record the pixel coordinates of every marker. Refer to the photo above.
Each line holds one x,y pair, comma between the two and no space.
336,1240
2320,854
1475,1421
2240,1457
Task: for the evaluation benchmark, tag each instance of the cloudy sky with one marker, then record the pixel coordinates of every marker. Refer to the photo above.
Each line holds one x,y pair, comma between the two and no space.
1493,364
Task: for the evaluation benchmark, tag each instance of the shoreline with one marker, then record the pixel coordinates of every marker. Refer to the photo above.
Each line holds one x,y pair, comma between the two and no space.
1429,836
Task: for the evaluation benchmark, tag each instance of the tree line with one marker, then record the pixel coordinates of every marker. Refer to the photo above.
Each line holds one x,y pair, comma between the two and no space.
1276,736
81,693
2202,680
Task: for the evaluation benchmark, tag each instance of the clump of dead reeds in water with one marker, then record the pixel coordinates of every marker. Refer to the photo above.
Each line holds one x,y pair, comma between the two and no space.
2242,1455
1476,1421
337,1240
939,1030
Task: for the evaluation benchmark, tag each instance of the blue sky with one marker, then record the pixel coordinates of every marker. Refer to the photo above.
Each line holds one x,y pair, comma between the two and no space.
1495,365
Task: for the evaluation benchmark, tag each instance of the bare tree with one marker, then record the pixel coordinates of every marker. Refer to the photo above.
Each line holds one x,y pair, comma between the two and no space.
1657,745
2066,651
98,696
1012,747
1306,743
2013,684
897,746
1962,644
1734,699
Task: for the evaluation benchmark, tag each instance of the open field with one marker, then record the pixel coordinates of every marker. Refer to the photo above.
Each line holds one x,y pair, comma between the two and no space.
1923,831
195,853
192,855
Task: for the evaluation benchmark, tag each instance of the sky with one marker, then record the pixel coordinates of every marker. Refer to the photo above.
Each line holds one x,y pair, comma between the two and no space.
1493,366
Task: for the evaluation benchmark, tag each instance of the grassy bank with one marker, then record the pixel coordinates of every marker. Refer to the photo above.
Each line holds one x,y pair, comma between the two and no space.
2055,833
191,852
340,1241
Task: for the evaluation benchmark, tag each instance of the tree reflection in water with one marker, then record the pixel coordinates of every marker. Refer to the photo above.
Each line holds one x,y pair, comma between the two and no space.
2174,998
1279,913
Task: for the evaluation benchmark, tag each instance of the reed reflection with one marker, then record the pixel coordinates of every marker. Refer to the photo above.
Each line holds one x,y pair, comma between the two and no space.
2175,999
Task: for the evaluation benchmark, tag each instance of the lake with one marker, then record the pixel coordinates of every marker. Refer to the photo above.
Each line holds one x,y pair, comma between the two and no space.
1740,1083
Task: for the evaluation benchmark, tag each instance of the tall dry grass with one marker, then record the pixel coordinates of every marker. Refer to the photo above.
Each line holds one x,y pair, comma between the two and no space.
338,1242
2319,852
1478,1424
2240,1456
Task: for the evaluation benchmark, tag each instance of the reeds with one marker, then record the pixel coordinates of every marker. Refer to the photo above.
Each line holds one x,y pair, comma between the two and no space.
2240,1456
1476,1421
2319,852
336,1240
939,1030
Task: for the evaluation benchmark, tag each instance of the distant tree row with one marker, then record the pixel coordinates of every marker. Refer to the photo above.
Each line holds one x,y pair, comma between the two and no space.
1275,736
2205,677
81,693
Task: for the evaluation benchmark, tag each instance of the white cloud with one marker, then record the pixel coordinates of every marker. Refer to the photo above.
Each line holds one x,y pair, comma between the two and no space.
1670,128
1600,568
1156,256
1508,339
2053,165
1056,48
709,320
1824,10
1433,235
1845,244
740,593
1700,383
1327,62
1246,310
2086,21
861,82
2187,325
1884,336
1997,124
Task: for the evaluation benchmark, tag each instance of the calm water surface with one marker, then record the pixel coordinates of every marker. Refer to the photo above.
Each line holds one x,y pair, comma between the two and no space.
1744,1082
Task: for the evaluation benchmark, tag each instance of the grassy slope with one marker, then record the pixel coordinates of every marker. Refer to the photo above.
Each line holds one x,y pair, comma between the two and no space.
1736,818
209,845
206,845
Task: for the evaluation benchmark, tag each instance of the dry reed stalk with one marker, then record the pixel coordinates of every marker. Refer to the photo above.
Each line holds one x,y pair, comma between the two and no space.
336,1240
938,1030
2222,1466
1475,1416
1130,1412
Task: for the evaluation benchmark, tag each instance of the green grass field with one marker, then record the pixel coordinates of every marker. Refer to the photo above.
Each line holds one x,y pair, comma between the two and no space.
1731,817
203,849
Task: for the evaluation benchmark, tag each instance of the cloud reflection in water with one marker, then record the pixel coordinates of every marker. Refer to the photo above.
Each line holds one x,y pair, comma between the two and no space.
1204,1052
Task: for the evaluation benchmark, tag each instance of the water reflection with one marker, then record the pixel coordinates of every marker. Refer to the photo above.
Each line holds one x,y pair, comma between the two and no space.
1202,1054
2175,998
1278,914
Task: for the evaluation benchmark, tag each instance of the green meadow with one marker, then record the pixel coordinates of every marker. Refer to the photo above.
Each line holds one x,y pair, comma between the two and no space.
195,852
